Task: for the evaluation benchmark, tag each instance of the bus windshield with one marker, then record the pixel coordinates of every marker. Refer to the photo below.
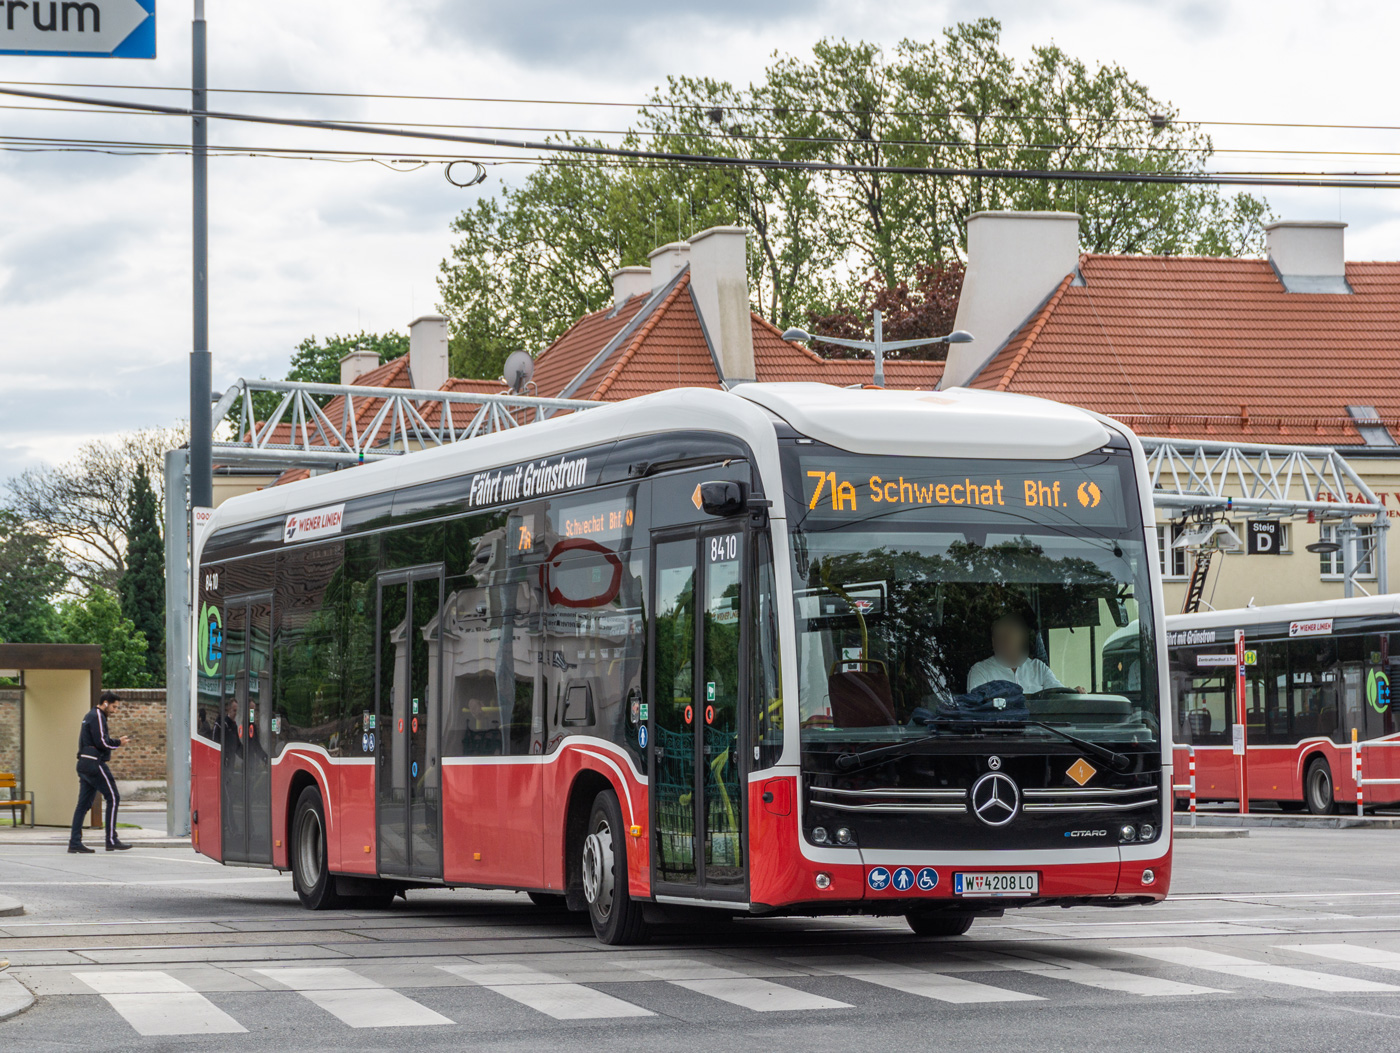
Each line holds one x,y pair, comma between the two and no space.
947,598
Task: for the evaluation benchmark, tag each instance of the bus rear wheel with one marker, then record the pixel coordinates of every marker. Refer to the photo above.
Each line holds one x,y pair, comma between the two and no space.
1318,789
310,876
935,923
616,917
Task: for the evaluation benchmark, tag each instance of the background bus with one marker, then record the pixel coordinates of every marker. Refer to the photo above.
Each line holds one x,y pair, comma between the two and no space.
1313,673
701,649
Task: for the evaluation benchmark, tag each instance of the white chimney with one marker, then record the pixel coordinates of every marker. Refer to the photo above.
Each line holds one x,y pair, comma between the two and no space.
719,282
1308,257
1015,260
629,282
667,262
427,352
356,364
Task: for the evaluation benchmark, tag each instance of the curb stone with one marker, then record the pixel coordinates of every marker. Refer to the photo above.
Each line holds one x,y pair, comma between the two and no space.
1207,833
10,908
14,996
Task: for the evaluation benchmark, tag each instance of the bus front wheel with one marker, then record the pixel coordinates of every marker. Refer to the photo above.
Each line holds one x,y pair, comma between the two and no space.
616,917
1318,788
934,923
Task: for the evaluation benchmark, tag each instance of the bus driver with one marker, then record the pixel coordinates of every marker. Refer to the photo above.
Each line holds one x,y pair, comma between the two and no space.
1011,660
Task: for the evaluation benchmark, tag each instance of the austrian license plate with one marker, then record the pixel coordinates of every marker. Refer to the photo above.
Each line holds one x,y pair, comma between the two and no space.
997,883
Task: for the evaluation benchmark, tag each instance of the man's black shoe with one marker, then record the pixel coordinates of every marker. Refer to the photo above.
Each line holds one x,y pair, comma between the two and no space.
75,850
118,846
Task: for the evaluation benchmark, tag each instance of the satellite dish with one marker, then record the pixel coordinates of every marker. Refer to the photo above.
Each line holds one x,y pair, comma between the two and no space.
520,367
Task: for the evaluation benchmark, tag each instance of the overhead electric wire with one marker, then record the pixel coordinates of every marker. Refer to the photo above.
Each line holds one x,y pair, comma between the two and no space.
710,160
950,144
706,106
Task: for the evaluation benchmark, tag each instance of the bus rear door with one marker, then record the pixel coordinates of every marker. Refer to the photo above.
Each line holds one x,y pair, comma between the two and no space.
244,731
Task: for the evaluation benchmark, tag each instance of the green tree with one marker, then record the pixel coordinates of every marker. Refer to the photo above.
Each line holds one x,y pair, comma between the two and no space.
142,587
530,260
97,619
31,576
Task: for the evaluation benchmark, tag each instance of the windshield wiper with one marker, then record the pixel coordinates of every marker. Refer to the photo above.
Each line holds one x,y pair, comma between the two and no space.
847,761
1115,760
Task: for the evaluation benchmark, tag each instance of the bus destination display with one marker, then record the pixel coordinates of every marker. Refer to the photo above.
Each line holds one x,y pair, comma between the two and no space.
863,487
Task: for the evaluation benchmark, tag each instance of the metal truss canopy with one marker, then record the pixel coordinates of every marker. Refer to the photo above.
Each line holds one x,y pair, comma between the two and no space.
1262,479
309,429
1203,478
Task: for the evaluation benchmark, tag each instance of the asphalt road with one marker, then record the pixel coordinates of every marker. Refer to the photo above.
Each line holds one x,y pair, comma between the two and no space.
1286,940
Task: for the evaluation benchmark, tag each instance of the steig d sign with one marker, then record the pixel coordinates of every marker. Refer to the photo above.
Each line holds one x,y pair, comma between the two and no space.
1263,537
79,28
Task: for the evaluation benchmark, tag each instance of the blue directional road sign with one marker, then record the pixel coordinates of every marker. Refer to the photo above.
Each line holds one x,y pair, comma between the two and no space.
79,28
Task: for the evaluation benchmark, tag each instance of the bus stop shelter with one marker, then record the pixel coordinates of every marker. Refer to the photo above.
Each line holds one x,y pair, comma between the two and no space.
61,683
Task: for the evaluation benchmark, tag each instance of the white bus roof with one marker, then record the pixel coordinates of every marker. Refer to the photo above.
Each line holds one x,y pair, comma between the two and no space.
958,422
1316,610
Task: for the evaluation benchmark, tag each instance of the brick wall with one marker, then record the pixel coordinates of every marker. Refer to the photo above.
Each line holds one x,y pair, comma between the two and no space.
9,731
140,714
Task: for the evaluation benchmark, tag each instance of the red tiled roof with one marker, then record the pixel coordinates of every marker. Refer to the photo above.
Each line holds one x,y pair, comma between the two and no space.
577,346
668,350
1212,348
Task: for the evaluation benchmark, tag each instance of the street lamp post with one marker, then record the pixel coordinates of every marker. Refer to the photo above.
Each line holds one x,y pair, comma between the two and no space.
879,345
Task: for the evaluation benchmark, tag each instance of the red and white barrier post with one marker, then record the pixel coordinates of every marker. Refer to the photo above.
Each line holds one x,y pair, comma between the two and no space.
1356,772
1191,769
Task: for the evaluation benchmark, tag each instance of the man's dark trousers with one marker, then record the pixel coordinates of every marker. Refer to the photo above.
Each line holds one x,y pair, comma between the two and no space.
95,777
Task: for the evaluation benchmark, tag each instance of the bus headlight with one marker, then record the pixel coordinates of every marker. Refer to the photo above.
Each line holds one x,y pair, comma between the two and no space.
843,836
819,835
1147,832
1128,832
823,881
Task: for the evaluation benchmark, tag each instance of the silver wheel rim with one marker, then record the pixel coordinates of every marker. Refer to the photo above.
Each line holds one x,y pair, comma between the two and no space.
309,850
598,869
1322,787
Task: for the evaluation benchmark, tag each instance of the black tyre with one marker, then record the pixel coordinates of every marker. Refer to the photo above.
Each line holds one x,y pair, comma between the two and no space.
616,917
548,900
311,878
1318,789
939,924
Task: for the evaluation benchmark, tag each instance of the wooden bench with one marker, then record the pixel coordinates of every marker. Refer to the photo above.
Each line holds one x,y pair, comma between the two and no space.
15,804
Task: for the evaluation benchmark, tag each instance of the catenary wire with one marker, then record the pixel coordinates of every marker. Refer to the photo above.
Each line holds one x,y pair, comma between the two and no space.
709,160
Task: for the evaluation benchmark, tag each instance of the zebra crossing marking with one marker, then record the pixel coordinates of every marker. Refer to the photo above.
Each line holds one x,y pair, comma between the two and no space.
355,1000
727,985
1249,969
545,992
156,1003
921,982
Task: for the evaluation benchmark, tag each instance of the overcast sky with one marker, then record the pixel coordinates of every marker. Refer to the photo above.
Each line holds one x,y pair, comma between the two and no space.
95,250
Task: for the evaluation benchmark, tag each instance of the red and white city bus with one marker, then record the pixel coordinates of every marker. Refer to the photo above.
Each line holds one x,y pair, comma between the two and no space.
1314,673
699,648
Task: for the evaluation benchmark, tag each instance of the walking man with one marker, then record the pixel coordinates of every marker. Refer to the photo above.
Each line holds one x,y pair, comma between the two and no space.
95,748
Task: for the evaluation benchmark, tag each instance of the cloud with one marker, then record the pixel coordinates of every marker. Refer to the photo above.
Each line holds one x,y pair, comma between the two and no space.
562,33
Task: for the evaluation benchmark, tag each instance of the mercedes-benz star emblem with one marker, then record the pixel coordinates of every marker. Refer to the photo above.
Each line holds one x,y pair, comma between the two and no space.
994,763
995,799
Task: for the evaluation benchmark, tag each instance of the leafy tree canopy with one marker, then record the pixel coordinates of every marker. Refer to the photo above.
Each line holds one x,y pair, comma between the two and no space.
31,576
142,587
531,259
97,619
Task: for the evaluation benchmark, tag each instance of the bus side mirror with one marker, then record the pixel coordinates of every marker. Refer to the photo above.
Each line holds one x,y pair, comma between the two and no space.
723,498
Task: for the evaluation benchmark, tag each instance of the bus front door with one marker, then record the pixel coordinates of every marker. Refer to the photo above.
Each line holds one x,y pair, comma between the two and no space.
408,773
697,745
244,731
